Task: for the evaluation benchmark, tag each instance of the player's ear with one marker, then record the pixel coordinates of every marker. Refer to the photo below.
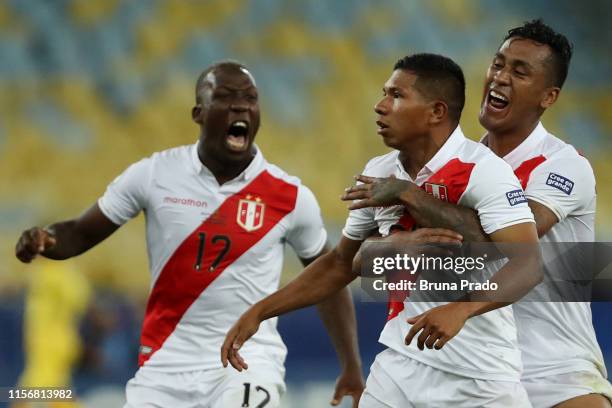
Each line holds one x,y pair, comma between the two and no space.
550,97
196,114
438,113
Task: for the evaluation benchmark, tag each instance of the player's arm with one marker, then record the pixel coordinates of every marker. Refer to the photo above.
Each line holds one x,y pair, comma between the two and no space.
523,271
338,316
545,219
495,192
518,276
430,212
65,239
426,210
124,198
321,279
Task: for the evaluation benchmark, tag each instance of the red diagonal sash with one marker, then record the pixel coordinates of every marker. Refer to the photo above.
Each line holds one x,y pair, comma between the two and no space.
523,172
180,283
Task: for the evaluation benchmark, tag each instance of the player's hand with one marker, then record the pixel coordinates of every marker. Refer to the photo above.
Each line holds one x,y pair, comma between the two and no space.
350,382
376,192
437,326
244,329
33,242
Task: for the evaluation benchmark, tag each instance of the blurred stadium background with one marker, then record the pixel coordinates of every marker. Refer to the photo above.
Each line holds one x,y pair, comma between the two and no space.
88,87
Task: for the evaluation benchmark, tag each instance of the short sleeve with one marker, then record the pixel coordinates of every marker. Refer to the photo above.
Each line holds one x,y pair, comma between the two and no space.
126,195
307,235
361,222
496,194
565,185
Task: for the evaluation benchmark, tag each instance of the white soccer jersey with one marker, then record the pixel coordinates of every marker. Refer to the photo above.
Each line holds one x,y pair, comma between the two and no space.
213,251
557,337
467,173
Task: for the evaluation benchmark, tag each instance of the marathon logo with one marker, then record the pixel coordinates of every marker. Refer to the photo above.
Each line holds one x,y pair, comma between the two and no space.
516,197
185,201
560,183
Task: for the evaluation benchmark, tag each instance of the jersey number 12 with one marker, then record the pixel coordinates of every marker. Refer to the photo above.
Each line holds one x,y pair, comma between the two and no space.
222,253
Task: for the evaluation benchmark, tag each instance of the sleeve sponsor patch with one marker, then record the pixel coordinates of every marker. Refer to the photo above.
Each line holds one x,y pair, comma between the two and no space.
516,197
560,183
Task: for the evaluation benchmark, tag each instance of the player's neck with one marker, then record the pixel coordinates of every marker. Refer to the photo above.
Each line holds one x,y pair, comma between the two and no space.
503,142
415,155
222,170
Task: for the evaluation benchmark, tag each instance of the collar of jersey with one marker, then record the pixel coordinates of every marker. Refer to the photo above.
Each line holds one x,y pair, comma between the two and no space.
528,148
251,171
447,152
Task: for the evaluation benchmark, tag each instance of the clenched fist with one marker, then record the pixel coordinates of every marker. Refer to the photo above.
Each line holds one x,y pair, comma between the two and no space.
33,242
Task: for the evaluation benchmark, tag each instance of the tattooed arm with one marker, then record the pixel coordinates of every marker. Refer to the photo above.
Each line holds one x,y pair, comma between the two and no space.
427,210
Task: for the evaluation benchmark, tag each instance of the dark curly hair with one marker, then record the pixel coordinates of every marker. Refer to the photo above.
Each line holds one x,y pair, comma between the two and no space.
561,48
438,77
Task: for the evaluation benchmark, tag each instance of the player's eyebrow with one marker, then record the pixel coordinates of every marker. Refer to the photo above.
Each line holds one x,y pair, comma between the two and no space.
514,62
390,89
522,63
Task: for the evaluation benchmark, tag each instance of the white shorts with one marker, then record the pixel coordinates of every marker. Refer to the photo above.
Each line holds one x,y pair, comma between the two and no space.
396,381
258,387
548,391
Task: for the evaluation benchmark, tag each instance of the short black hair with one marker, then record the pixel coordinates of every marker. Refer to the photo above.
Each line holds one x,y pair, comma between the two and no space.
561,48
220,64
438,77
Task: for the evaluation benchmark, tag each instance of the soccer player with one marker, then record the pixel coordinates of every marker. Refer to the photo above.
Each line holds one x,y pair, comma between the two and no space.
218,215
563,364
476,361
